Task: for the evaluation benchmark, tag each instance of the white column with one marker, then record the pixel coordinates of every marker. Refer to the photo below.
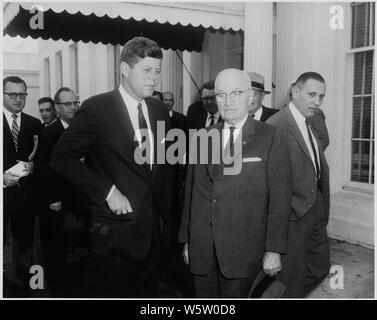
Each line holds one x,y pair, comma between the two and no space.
258,42
285,51
192,60
171,78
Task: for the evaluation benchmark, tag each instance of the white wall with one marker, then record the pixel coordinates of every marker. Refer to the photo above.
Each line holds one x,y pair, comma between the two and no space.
20,59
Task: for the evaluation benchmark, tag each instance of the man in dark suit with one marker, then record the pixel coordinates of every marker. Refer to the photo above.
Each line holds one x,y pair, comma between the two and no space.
211,114
308,260
60,203
178,120
260,112
197,107
47,110
19,143
128,198
233,225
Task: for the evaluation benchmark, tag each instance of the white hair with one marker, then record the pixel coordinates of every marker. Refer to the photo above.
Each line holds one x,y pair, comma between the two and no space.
244,75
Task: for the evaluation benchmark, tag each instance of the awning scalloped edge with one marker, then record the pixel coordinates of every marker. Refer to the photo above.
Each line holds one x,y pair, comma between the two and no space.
140,12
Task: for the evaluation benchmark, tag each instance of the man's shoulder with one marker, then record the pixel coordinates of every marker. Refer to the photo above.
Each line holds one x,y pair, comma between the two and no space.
179,115
52,131
278,118
31,122
100,100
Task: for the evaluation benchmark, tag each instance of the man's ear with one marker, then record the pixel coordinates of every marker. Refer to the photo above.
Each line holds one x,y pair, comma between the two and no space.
124,68
295,92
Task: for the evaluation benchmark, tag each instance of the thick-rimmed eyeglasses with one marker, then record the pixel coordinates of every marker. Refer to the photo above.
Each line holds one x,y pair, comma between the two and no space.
69,104
13,95
234,95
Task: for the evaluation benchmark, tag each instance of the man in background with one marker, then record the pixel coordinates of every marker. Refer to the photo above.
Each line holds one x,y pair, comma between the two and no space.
47,110
260,112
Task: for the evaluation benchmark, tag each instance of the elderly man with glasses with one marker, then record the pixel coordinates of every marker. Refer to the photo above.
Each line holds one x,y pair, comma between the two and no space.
235,225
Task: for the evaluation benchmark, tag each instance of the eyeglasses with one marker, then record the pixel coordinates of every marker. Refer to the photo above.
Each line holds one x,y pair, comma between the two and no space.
234,95
70,104
13,95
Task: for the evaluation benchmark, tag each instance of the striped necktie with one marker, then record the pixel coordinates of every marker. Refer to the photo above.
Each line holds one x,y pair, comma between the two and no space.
15,131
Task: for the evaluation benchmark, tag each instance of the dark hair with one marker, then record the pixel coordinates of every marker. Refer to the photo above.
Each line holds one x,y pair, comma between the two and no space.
158,93
138,48
13,79
209,85
62,89
308,75
46,99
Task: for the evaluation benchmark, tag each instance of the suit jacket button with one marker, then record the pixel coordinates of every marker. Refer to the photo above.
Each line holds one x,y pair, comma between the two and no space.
210,224
214,200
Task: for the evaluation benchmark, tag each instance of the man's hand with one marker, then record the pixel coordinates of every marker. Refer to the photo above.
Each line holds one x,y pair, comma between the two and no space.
9,179
185,254
29,166
118,203
271,263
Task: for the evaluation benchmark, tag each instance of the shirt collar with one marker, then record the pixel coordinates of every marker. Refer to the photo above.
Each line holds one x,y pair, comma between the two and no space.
9,114
65,124
238,125
300,119
216,115
128,100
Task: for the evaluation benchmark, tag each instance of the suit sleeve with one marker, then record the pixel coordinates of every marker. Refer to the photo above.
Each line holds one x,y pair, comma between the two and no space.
280,192
185,220
76,142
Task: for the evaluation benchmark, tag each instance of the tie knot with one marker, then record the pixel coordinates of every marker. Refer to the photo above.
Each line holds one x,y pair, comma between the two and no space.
14,116
232,129
139,106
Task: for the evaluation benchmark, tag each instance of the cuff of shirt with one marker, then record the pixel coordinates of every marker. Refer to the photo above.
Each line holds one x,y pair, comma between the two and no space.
110,192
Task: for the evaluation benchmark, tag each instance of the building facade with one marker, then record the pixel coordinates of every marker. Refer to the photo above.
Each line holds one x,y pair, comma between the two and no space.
280,41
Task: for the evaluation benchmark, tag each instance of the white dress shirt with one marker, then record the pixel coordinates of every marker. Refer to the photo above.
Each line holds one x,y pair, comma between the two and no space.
65,124
258,114
216,117
238,129
8,116
300,120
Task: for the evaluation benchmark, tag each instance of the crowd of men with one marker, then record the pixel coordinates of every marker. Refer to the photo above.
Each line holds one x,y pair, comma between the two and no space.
111,227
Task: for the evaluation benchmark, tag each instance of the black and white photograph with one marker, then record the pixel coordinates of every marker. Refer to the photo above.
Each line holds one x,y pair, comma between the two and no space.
188,150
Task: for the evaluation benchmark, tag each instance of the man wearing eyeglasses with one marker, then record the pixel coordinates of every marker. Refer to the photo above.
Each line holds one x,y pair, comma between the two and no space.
234,225
19,132
60,201
211,115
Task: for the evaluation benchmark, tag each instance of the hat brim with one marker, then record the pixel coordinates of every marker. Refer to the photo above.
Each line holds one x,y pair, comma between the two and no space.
266,92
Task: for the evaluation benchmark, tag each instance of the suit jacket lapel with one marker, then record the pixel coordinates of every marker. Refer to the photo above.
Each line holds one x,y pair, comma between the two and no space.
214,169
296,132
6,128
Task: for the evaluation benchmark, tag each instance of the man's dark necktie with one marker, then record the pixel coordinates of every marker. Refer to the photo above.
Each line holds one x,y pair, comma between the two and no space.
231,141
15,131
143,125
313,148
212,122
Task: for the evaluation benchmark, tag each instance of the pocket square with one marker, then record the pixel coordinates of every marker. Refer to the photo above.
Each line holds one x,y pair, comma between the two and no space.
252,159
